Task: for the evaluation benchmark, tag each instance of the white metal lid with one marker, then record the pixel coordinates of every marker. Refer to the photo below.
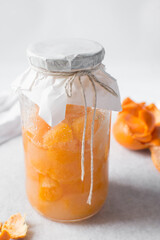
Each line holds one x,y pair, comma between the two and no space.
65,55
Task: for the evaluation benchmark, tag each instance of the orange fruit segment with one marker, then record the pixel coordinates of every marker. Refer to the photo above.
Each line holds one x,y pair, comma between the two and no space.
41,127
130,106
74,111
78,125
156,137
138,127
15,226
155,111
124,136
148,118
38,130
4,235
50,190
155,155
134,123
1,225
61,133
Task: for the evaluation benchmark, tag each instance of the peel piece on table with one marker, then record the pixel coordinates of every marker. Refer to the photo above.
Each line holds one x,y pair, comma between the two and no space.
156,137
134,125
152,108
155,155
138,127
124,134
4,235
1,224
15,226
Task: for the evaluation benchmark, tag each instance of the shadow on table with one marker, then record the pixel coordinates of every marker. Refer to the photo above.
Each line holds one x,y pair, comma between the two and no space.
144,152
127,203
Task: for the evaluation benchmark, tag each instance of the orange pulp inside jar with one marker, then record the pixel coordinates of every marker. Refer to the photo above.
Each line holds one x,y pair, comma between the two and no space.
53,164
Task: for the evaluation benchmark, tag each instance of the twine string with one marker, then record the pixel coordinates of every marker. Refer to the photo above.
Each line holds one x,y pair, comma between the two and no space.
92,135
84,130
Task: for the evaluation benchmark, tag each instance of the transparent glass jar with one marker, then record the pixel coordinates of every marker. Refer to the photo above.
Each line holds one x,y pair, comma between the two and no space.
66,128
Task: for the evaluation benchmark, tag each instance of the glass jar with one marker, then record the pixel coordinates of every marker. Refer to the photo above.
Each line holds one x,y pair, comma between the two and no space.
55,154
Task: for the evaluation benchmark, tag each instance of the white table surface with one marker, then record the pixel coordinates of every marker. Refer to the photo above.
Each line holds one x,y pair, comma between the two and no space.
132,210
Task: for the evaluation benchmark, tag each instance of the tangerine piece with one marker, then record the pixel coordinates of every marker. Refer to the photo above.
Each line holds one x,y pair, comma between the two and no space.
155,155
1,225
78,125
61,133
31,171
41,127
152,108
50,189
132,107
74,111
129,105
59,164
148,118
38,129
15,226
135,125
124,135
156,137
4,235
141,126
138,127
79,186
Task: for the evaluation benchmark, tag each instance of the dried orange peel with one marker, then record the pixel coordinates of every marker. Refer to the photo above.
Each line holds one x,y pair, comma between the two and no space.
138,127
4,235
14,228
1,224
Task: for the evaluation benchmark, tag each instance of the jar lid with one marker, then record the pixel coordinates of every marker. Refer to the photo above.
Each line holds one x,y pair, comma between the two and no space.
65,55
